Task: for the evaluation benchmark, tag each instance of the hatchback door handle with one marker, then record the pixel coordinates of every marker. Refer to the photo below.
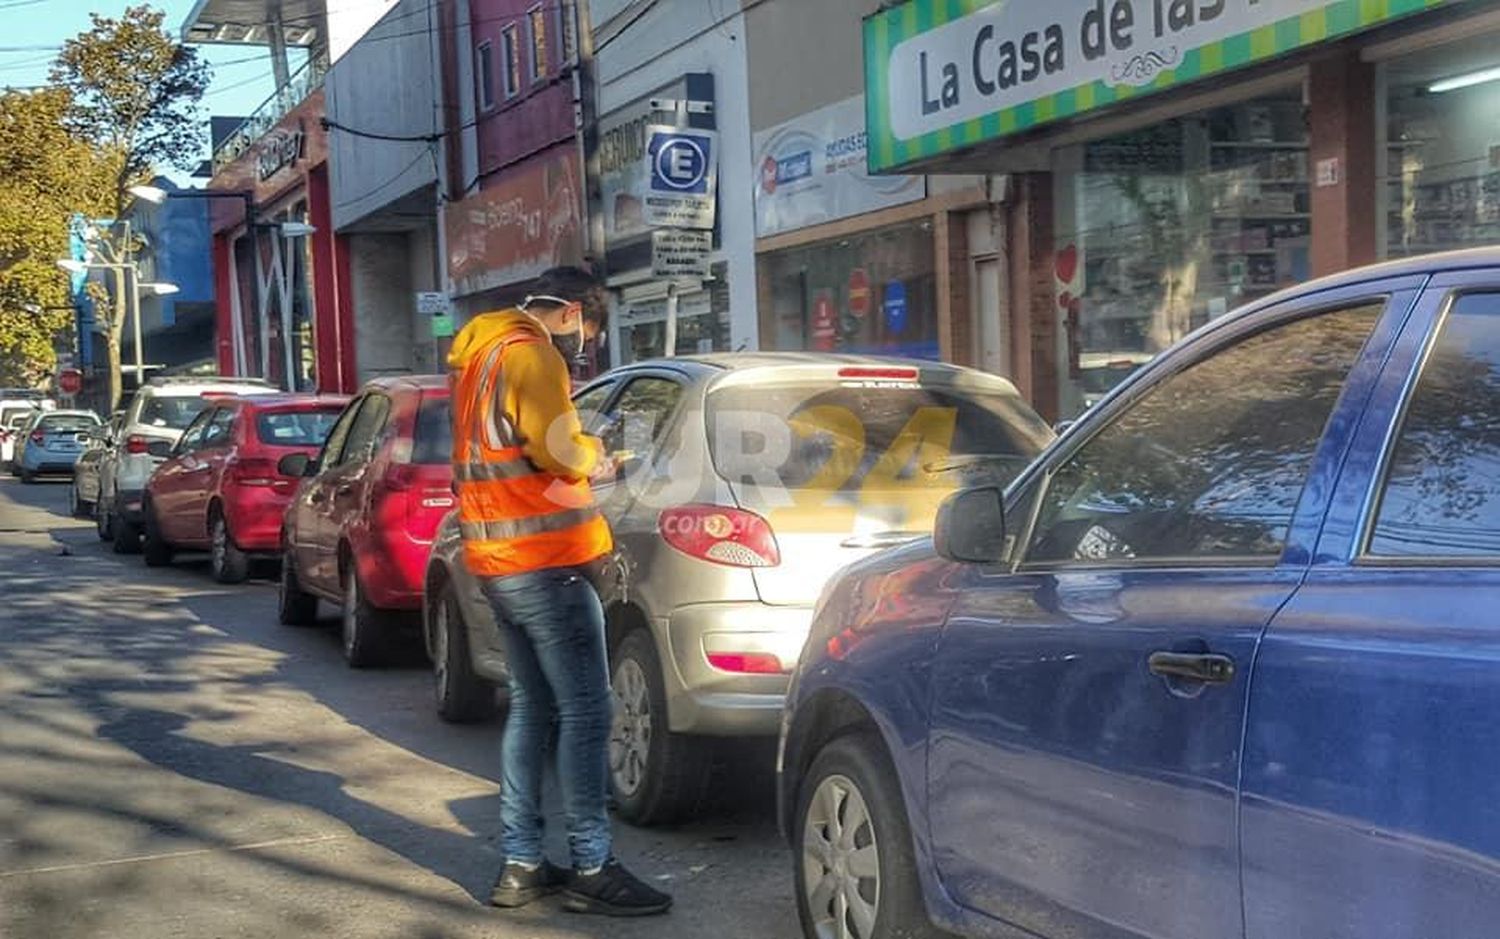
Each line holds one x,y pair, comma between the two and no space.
1207,668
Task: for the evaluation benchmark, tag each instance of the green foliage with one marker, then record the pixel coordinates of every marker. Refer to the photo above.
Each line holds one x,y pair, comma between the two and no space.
46,174
136,91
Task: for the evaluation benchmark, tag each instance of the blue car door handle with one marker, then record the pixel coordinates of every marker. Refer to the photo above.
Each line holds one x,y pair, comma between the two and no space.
1207,668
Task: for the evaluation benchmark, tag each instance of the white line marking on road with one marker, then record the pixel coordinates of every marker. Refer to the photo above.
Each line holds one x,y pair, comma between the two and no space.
170,855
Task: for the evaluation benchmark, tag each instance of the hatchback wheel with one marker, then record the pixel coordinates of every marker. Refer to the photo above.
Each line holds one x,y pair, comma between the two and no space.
127,535
227,562
657,776
155,550
103,521
27,476
463,697
856,871
294,606
74,506
361,625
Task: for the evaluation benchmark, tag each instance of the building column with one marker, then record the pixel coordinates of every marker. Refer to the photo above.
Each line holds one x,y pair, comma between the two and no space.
1033,319
1342,162
331,309
224,285
954,301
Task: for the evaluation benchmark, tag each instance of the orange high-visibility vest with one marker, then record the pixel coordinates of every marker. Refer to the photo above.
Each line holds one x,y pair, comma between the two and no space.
515,518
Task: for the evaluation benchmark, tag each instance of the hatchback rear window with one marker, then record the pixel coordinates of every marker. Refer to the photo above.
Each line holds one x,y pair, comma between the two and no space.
434,441
837,437
295,428
15,417
66,424
175,413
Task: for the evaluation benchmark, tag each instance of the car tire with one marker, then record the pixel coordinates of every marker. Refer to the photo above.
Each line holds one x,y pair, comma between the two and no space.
294,606
463,697
227,563
126,535
103,522
156,551
361,626
656,776
75,507
852,785
28,477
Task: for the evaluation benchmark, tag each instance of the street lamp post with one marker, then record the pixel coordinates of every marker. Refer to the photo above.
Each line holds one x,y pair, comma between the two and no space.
127,285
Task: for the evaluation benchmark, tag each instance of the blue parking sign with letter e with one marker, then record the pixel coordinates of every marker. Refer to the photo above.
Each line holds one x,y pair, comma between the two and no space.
683,168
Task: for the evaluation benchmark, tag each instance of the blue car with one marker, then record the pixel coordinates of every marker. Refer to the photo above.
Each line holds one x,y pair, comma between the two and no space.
52,442
1223,662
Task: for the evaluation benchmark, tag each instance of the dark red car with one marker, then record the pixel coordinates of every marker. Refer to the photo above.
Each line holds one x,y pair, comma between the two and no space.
359,530
220,489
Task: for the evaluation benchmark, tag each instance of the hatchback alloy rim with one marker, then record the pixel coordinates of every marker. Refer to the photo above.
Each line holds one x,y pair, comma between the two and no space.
221,545
630,728
840,862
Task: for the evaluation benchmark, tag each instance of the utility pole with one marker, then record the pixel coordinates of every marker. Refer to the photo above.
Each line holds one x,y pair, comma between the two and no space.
586,120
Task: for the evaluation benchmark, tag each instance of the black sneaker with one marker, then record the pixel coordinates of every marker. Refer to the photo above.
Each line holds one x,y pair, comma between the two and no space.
613,891
519,886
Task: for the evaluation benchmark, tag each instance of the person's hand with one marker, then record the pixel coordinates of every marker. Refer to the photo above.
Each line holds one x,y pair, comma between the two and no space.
609,468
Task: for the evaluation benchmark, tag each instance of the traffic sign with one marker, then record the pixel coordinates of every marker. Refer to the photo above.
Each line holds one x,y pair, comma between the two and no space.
680,252
682,164
433,303
859,293
70,381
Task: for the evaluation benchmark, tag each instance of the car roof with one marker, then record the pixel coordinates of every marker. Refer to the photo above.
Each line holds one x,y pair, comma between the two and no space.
408,382
290,402
748,367
193,389
74,413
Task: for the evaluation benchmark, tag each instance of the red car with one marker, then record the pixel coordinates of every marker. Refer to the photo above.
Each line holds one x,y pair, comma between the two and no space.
220,489
359,530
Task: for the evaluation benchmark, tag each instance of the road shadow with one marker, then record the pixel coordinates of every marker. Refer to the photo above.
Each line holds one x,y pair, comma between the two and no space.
156,633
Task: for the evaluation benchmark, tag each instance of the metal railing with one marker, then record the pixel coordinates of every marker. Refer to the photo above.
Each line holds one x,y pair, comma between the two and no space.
304,82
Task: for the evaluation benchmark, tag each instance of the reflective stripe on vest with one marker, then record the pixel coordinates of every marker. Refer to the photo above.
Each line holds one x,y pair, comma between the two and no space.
488,472
522,527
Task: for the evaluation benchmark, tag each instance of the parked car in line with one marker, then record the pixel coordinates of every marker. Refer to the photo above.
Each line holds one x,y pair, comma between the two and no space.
160,411
10,432
747,481
18,404
359,529
1221,663
221,489
49,444
83,495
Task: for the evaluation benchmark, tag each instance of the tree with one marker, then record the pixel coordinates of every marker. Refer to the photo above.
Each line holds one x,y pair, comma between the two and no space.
46,174
135,91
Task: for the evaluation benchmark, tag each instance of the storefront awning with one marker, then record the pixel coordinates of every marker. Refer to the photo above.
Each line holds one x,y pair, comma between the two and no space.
246,22
944,76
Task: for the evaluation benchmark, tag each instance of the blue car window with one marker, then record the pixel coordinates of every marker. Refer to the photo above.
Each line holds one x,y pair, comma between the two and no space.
1442,487
1210,463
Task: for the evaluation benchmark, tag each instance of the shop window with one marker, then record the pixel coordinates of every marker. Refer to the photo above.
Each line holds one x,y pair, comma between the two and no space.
872,293
567,32
536,24
1441,164
510,47
1163,229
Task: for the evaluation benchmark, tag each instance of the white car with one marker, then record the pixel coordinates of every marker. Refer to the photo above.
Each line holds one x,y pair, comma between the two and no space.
16,410
160,411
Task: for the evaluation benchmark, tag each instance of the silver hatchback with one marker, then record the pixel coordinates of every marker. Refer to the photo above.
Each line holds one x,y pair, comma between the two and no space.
747,481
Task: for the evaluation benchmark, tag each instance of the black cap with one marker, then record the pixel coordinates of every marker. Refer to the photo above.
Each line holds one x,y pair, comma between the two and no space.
569,283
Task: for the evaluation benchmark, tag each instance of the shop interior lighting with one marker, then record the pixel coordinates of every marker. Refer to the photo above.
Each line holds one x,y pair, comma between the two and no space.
1465,81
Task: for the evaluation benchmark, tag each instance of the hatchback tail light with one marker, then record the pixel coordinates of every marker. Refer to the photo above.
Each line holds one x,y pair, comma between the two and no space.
254,471
747,663
38,438
731,537
136,444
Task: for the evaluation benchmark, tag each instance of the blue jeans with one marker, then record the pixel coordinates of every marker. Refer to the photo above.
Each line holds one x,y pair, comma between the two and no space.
553,630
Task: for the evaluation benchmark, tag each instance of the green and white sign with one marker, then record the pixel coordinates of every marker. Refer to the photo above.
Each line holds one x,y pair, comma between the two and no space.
946,74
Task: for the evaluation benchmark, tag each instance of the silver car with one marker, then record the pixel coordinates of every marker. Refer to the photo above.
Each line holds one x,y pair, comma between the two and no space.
747,481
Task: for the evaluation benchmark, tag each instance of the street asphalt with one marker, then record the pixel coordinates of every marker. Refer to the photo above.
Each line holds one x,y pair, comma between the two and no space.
175,764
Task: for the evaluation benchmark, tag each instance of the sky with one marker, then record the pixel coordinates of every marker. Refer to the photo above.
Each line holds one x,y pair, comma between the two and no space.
31,32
